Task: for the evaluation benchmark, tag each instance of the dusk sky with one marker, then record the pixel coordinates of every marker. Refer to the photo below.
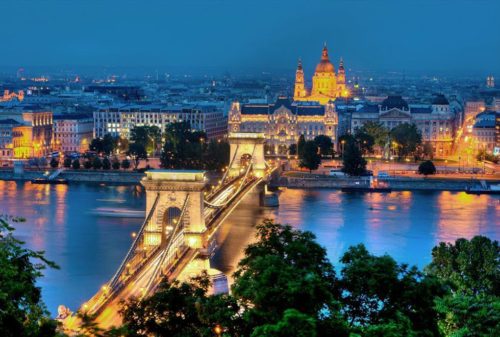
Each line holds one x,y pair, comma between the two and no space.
460,36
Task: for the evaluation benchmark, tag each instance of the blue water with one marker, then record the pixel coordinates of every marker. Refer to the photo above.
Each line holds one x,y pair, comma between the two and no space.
65,222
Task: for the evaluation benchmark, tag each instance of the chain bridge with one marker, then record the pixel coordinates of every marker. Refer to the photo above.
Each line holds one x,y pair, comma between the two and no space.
178,235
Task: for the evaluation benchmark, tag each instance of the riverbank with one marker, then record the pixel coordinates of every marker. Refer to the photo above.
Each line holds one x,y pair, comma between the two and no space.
314,181
91,176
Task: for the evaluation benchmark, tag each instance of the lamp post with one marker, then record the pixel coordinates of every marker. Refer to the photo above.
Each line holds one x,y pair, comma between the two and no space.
218,330
343,142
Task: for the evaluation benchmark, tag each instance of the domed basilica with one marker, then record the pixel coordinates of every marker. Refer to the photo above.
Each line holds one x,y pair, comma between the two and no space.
326,85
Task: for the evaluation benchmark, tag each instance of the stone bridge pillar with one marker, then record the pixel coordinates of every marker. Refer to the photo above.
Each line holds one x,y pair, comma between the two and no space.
173,187
243,145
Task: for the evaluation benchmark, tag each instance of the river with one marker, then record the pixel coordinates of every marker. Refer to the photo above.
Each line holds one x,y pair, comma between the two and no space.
72,223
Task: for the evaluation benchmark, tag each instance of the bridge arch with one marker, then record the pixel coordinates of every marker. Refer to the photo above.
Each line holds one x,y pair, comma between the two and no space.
250,146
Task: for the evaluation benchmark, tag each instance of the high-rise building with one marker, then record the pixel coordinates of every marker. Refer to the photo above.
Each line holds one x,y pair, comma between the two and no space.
490,81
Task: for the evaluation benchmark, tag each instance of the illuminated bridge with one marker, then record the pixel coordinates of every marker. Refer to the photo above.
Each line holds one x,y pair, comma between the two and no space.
178,234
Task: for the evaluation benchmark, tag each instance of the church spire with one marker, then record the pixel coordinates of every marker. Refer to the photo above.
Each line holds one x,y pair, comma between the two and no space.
324,54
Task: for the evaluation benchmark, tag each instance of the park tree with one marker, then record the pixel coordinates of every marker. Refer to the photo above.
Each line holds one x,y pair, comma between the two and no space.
285,269
87,164
106,163
406,137
294,323
300,146
105,145
97,163
22,311
353,162
75,164
54,163
471,271
148,136
67,162
365,141
377,132
426,168
125,164
292,149
380,294
216,154
310,156
115,164
138,152
325,145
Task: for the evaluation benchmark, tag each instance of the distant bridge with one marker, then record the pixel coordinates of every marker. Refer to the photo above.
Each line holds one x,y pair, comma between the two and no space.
178,235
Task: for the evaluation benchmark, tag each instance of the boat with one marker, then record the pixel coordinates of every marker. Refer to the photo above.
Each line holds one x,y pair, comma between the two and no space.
57,181
374,186
481,190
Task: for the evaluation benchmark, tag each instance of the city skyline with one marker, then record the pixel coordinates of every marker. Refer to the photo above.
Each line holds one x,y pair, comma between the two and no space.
408,36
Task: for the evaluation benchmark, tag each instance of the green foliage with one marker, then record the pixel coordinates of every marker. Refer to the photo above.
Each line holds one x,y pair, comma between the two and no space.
353,162
377,290
325,145
147,136
300,146
310,157
470,267
426,167
54,163
365,140
76,164
406,137
97,163
105,145
285,269
292,149
22,312
188,149
106,164
125,164
377,132
483,155
294,323
138,152
87,164
115,164
67,162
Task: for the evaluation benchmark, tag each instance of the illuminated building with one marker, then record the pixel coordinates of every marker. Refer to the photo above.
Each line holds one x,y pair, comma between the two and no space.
73,132
9,96
119,120
6,148
436,121
34,136
484,131
326,85
284,121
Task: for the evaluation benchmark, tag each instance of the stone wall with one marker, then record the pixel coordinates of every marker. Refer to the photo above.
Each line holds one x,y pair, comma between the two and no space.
97,176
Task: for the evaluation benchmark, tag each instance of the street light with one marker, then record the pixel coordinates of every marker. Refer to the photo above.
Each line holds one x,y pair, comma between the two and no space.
218,330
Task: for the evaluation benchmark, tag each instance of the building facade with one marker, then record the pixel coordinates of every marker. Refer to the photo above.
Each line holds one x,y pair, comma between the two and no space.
6,147
73,132
33,138
485,131
436,121
119,120
326,84
284,121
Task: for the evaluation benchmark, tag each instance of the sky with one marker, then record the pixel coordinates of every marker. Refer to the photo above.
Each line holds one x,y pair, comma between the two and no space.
460,36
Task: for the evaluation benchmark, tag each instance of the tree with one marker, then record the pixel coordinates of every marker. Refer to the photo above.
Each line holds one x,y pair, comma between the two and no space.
426,167
310,157
115,163
353,162
483,155
428,151
284,269
54,163
97,163
300,146
365,141
325,145
87,164
105,145
216,155
76,164
125,164
148,136
22,311
377,132
471,271
138,152
406,137
292,149
380,294
96,145
67,162
106,163
294,323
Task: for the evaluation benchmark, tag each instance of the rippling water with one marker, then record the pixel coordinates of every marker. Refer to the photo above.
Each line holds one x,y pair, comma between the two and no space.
68,223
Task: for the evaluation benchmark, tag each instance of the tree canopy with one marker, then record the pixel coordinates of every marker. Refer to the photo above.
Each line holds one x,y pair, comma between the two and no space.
310,157
353,162
406,137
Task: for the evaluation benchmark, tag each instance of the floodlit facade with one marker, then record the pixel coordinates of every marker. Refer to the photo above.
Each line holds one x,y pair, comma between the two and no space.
33,137
284,121
326,84
73,132
485,131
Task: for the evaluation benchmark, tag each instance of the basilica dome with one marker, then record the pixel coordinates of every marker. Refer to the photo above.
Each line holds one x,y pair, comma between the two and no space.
325,66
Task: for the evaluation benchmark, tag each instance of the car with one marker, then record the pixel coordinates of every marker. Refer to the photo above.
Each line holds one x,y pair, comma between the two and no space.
383,174
337,173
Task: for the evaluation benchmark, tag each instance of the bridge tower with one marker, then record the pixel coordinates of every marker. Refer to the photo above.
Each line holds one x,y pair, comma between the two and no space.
176,190
246,147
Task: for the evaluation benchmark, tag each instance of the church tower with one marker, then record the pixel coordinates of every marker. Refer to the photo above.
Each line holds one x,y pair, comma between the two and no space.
341,85
300,86
324,79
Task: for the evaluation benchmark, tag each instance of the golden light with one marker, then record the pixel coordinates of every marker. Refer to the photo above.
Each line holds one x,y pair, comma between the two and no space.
134,234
